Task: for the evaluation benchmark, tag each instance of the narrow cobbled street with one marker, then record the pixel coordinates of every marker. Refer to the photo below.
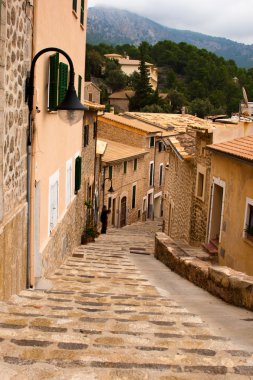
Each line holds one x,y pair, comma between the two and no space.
102,319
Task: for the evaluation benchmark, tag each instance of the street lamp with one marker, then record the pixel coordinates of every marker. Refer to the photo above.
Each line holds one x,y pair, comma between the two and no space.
71,110
110,190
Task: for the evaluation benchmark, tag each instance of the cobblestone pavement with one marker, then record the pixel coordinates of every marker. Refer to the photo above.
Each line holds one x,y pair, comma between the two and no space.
103,320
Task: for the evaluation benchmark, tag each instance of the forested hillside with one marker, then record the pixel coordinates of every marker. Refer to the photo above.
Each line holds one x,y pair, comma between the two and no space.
192,77
117,26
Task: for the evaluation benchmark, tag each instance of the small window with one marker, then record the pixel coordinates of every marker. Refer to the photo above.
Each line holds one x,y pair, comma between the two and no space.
161,175
110,172
200,188
160,146
125,167
134,196
248,226
79,87
109,203
152,142
53,200
82,12
86,135
74,5
78,173
90,97
151,174
135,164
68,181
94,129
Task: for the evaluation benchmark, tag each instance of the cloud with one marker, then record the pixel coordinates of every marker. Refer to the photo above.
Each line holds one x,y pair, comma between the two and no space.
227,18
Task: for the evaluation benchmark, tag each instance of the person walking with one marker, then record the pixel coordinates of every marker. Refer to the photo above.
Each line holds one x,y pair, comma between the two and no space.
104,219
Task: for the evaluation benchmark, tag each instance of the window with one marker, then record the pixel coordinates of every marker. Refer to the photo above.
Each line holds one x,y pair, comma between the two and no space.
109,203
82,12
135,164
248,223
110,172
95,129
151,173
200,185
78,173
68,181
53,81
152,142
161,175
63,81
125,167
58,81
53,200
86,135
74,5
134,196
90,97
79,87
160,146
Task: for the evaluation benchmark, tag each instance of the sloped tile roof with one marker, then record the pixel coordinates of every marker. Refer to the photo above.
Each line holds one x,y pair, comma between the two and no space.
239,148
116,151
184,144
122,94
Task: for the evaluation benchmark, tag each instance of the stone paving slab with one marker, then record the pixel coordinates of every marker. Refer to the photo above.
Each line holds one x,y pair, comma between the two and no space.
103,320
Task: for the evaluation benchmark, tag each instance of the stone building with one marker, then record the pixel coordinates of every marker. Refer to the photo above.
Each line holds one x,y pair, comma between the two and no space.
120,100
91,92
141,135
122,170
15,60
231,203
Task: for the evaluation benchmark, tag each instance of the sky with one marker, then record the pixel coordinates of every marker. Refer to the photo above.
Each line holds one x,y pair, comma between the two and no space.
231,19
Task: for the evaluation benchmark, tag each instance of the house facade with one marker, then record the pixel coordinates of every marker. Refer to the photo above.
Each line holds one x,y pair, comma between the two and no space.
15,60
141,135
91,92
122,171
231,203
57,188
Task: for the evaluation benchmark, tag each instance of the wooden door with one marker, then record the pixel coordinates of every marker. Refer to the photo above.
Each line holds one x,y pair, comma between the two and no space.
123,212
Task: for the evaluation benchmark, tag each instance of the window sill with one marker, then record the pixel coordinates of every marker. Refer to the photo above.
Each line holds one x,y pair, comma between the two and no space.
51,112
200,198
74,13
82,26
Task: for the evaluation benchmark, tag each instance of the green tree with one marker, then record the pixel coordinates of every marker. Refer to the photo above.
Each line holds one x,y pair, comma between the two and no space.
201,107
142,87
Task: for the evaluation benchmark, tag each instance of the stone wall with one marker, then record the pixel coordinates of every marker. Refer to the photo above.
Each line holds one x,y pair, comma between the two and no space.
15,61
232,286
178,194
199,210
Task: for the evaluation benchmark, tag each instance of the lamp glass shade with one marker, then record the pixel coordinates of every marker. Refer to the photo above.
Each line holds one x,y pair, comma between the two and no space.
71,110
70,116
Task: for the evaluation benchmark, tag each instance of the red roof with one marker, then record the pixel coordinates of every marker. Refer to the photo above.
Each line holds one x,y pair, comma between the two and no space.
240,148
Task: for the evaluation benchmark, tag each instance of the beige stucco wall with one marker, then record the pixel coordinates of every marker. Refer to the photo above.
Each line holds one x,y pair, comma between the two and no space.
238,178
15,60
55,142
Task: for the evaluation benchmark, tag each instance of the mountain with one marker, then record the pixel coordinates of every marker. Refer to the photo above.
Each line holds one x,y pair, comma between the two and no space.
115,26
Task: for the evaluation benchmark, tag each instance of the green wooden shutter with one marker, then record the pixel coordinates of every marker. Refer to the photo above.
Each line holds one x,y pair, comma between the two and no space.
63,81
74,5
79,87
53,81
78,173
82,12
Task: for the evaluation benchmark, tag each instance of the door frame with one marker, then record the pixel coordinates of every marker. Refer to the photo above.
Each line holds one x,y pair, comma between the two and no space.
218,182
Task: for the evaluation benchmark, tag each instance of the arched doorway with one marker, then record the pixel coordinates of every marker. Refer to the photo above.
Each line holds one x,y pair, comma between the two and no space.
123,211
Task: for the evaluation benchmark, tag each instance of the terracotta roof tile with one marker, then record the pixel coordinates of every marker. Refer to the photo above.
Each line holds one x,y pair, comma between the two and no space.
240,148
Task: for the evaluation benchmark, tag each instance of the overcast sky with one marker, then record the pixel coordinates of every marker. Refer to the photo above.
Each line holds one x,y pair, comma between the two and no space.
221,18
